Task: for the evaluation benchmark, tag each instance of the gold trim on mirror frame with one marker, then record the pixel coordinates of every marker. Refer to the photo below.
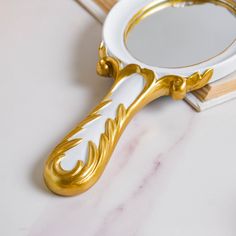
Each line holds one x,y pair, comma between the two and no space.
85,175
156,5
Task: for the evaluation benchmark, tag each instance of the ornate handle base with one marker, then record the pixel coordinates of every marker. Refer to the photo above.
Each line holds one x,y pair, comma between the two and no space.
79,160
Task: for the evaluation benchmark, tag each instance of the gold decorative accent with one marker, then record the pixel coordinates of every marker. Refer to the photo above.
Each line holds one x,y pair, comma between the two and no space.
107,66
156,5
85,175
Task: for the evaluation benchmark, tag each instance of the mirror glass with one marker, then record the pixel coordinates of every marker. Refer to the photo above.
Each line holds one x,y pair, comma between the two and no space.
182,36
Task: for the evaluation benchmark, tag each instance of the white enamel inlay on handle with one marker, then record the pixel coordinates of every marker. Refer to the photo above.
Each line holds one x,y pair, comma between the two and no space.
126,93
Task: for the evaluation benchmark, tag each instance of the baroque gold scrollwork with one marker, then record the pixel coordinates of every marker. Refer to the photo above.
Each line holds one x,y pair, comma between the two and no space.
85,175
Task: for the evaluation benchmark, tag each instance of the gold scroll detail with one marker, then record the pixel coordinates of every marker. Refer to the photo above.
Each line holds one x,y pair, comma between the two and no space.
85,175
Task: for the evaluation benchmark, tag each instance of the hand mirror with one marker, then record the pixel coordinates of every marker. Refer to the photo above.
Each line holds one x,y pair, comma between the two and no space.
151,49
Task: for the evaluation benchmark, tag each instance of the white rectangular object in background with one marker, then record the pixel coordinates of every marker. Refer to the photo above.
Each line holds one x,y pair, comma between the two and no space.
94,9
201,106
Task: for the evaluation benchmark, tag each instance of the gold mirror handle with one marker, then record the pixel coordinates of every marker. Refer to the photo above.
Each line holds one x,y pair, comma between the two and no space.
89,146
80,158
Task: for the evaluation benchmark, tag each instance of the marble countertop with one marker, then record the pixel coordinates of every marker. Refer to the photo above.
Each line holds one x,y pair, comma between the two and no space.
172,173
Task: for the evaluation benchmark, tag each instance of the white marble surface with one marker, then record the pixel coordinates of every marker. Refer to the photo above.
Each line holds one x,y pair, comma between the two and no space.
173,172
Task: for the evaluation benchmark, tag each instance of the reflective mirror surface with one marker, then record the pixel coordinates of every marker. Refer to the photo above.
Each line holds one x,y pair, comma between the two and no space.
182,36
